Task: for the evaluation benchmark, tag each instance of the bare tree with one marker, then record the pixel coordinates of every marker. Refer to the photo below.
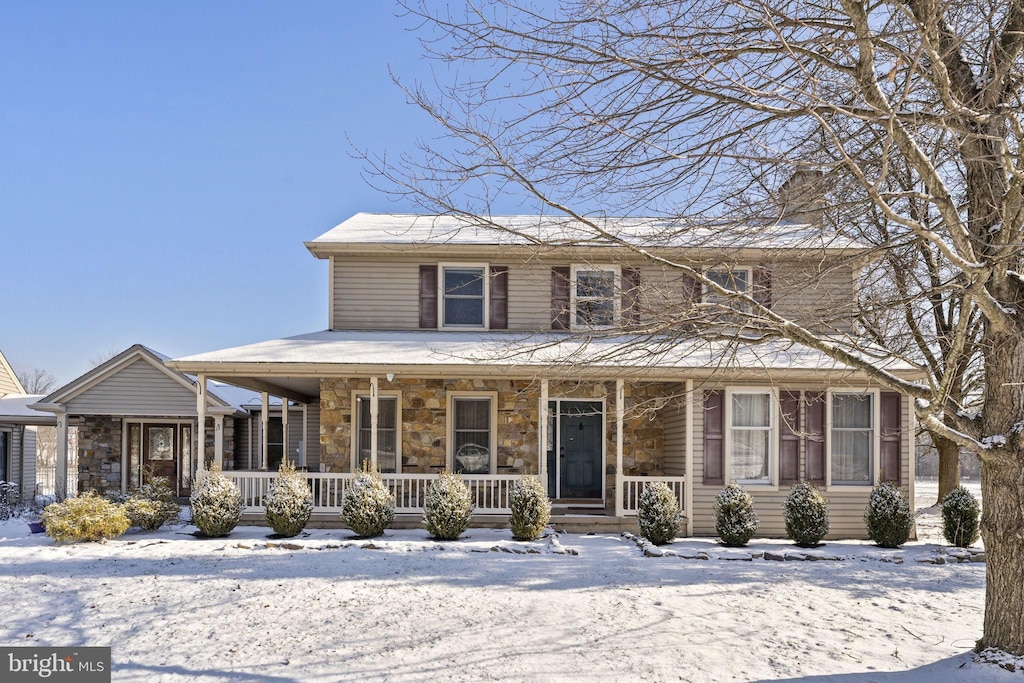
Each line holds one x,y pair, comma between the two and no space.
37,381
651,107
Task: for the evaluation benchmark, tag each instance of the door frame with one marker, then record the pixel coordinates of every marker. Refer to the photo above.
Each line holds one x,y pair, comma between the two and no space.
180,465
555,436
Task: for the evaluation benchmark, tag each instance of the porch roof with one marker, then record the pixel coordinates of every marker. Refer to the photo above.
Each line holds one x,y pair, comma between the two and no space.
14,409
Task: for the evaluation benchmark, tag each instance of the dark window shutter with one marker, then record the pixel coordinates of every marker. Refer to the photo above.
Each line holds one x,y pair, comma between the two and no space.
630,296
692,291
560,298
428,297
714,438
891,436
789,437
499,298
814,444
762,291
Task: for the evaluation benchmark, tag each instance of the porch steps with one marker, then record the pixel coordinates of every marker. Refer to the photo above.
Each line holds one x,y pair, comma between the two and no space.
576,523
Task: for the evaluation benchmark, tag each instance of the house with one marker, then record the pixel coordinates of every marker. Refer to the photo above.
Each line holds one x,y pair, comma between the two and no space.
539,349
136,418
18,432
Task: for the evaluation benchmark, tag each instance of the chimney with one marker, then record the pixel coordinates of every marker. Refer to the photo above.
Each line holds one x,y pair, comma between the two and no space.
801,199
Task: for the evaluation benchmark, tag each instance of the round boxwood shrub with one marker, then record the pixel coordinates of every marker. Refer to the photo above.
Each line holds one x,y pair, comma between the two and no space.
806,515
887,516
153,504
216,503
289,502
960,513
87,517
448,507
531,509
735,519
658,515
369,506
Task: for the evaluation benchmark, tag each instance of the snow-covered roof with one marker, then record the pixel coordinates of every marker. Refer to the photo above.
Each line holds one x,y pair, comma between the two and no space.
15,408
398,229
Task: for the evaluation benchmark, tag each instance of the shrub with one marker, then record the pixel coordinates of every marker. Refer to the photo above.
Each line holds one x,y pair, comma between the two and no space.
531,509
368,506
84,518
153,504
806,515
216,503
658,514
960,517
448,507
735,519
289,502
887,516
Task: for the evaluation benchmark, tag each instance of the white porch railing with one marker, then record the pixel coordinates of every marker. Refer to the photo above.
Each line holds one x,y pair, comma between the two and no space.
632,487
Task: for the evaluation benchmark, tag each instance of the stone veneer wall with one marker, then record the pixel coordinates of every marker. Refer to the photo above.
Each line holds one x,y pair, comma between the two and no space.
99,454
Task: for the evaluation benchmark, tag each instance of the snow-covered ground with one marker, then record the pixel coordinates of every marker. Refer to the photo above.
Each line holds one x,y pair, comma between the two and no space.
325,607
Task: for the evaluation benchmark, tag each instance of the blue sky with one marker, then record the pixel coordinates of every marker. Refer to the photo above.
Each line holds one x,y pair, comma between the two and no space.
161,165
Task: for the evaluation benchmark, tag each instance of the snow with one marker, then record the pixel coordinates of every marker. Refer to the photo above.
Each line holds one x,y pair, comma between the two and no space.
15,408
327,607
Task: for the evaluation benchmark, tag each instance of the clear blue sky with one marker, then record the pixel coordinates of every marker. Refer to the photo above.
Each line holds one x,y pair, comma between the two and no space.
161,165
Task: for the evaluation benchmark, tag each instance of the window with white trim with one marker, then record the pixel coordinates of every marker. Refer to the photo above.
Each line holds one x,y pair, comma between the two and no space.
738,280
751,427
472,433
463,296
388,442
852,439
595,297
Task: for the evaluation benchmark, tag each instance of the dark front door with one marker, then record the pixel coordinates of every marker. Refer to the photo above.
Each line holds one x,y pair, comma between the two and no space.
580,427
160,452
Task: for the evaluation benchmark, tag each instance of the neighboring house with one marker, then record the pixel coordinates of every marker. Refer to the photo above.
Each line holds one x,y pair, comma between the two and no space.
135,416
452,346
18,432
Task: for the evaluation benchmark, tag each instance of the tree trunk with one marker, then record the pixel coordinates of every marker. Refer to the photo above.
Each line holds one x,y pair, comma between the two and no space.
949,464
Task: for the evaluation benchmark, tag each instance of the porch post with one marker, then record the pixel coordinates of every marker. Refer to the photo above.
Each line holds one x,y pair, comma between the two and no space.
542,435
60,480
218,440
200,427
688,484
284,431
265,423
620,399
305,435
374,407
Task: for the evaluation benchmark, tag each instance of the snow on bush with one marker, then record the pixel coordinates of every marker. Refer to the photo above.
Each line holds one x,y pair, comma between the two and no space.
887,516
369,506
658,515
216,503
87,517
960,517
289,502
8,498
448,507
531,509
153,504
806,515
735,519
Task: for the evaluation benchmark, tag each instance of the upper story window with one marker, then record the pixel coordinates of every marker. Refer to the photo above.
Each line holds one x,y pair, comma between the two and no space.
595,302
738,280
852,439
750,440
463,296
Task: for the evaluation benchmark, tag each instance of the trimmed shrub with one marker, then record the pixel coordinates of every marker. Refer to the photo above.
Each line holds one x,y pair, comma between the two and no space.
153,504
806,515
448,507
531,509
960,512
216,503
369,506
658,514
289,502
887,516
735,519
87,517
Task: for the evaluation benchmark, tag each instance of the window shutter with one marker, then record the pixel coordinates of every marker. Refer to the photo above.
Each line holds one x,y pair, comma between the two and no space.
714,438
630,296
789,439
428,297
814,443
499,298
691,291
762,292
560,298
891,436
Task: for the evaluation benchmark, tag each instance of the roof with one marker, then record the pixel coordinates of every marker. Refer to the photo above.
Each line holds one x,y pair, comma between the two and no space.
417,229
15,408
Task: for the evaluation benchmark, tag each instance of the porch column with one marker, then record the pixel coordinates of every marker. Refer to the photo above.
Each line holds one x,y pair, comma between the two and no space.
305,435
218,440
200,427
265,423
688,484
542,435
374,407
620,399
284,431
60,481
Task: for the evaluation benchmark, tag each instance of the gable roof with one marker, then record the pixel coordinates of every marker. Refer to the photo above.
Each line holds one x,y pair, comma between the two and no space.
8,378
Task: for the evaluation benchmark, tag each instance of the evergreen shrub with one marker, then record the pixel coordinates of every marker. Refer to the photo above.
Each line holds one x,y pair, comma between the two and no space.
735,519
888,517
87,517
153,504
448,507
216,503
658,515
531,509
806,515
369,506
289,502
960,512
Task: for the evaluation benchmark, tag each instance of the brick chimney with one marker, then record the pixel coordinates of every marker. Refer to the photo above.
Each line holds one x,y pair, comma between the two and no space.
801,199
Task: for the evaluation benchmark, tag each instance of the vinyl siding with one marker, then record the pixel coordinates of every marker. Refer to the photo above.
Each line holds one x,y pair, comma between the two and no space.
674,415
137,389
22,459
7,384
246,450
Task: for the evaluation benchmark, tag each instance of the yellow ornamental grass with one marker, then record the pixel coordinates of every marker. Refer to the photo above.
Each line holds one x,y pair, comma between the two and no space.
85,518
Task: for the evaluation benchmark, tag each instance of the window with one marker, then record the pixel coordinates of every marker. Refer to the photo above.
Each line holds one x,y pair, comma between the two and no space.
736,279
5,441
852,439
388,443
472,433
463,299
595,303
750,437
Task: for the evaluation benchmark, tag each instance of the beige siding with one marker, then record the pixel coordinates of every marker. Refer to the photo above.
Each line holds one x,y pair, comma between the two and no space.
814,294
7,383
376,294
137,389
675,435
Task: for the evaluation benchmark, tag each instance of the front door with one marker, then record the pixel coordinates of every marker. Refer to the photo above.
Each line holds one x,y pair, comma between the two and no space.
578,430
160,451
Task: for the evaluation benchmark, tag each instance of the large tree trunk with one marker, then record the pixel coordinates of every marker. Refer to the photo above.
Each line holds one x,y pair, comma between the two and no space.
949,464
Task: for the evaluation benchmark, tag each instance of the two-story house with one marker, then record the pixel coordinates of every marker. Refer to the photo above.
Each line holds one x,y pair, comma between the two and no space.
542,349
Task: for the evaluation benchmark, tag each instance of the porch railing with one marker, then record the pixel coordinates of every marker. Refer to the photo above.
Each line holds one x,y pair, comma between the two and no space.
632,487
